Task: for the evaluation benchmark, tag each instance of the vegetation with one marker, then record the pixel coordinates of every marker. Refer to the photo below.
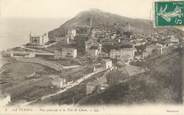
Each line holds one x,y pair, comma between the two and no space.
111,22
161,85
19,86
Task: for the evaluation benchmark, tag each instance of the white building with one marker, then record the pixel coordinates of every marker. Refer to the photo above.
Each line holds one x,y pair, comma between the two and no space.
107,63
122,53
39,39
115,54
72,33
22,54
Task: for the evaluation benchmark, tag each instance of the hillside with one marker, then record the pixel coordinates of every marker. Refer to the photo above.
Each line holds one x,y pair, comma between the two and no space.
97,18
162,84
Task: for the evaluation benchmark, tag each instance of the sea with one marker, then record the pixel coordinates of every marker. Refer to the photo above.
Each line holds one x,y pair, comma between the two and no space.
15,31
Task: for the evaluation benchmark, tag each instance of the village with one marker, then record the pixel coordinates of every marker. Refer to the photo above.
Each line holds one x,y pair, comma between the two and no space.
85,52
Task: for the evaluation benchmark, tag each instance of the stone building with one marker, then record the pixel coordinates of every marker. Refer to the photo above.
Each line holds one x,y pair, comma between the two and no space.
91,43
93,51
69,52
65,52
93,48
97,33
122,53
154,49
58,81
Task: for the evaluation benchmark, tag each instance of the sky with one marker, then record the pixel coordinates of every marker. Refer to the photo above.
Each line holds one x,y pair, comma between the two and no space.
69,8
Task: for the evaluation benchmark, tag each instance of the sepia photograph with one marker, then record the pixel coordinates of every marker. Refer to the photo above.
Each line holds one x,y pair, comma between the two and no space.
91,53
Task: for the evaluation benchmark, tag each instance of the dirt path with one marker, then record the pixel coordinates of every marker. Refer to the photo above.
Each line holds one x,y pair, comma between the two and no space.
67,87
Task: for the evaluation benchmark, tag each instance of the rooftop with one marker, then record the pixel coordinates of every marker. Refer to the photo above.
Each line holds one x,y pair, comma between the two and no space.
93,47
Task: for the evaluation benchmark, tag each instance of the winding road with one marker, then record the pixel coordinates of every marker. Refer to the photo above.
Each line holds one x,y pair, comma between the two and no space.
69,86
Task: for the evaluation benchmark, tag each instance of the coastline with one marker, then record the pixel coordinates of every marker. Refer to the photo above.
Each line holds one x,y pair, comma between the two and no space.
3,61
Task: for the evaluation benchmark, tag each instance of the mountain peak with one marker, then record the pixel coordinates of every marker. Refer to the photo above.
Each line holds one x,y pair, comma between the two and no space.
97,18
92,10
90,13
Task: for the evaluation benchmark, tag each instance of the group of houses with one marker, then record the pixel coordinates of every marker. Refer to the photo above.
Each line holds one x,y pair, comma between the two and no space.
158,48
118,50
92,46
97,39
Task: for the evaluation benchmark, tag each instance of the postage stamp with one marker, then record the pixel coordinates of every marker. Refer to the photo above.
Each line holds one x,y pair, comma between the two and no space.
169,13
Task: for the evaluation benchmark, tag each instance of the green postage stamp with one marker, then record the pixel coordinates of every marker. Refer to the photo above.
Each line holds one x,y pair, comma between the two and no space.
169,13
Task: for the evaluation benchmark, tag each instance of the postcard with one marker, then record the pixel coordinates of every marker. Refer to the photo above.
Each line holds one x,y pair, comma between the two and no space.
91,57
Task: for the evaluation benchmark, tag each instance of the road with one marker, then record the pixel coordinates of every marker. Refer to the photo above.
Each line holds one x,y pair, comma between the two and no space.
50,64
73,84
66,88
70,67
34,50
